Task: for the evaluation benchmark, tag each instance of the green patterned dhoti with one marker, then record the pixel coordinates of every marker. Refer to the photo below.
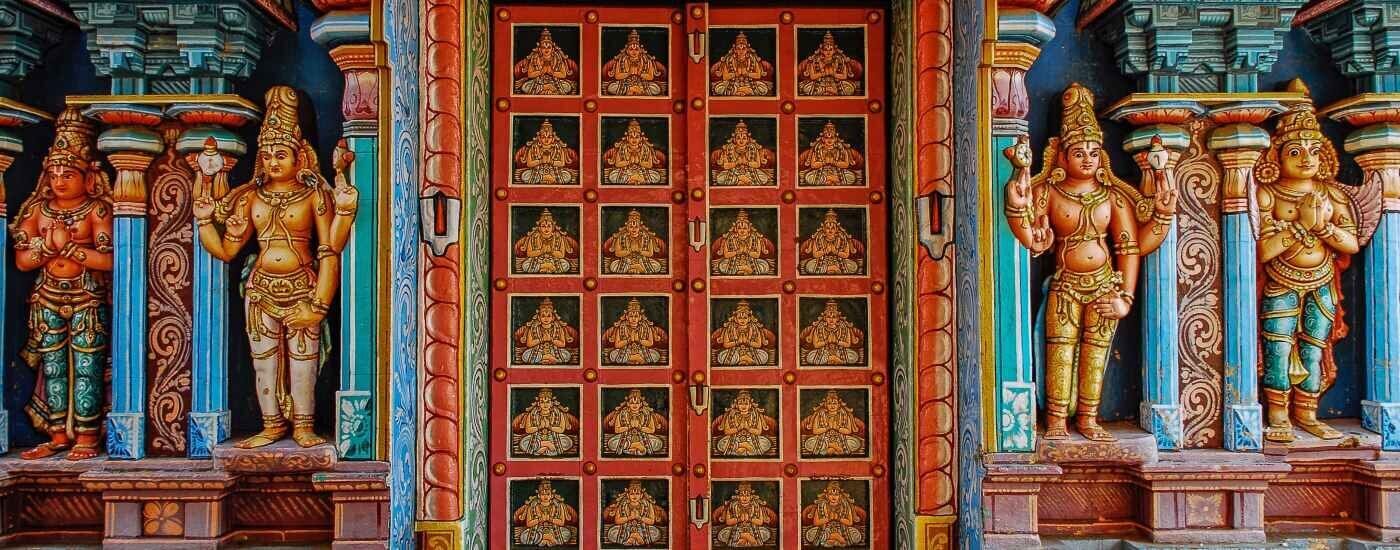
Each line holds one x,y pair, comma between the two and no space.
67,346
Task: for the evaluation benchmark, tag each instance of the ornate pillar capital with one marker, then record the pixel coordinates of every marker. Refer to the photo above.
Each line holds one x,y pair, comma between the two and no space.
1361,37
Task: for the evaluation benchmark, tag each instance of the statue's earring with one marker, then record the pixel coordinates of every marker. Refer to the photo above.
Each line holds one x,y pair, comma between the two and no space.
1266,172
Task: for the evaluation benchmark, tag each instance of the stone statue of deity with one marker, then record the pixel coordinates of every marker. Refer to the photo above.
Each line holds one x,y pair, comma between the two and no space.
634,428
744,520
633,160
830,161
545,519
634,71
1309,226
1076,204
64,230
741,72
633,518
301,224
546,70
829,71
834,520
745,429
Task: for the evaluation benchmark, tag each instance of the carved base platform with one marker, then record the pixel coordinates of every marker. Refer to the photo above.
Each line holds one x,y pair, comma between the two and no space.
1077,488
276,495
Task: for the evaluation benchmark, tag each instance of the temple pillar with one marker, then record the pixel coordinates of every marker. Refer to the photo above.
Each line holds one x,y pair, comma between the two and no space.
1020,33
11,114
346,30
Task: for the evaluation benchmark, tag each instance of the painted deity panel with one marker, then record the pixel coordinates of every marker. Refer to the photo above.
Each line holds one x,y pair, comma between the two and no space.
636,240
545,239
546,60
638,333
831,152
744,62
834,331
831,241
742,151
635,513
544,513
545,150
546,330
744,332
544,422
834,422
744,423
636,150
746,514
636,61
835,513
636,422
832,61
743,242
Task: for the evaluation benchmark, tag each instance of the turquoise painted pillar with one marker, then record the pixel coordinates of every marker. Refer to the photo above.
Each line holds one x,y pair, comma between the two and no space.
129,150
356,426
10,147
1020,33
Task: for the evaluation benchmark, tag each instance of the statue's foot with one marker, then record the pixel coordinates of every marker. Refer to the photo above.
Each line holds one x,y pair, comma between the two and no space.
1320,430
1280,433
85,448
1092,431
1055,429
306,437
269,435
44,450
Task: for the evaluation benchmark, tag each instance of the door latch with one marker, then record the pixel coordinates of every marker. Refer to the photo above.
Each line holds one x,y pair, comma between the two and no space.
700,511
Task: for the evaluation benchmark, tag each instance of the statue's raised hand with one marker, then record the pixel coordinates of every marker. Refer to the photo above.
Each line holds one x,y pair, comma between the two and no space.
1309,211
203,207
1165,200
236,225
346,197
1018,189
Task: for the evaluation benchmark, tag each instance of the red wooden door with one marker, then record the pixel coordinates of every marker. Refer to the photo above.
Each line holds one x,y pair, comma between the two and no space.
689,261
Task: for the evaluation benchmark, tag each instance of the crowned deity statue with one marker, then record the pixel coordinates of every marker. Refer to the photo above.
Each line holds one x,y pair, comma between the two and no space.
546,70
830,161
634,428
546,249
546,428
633,160
545,519
634,249
1309,226
744,520
832,429
546,339
832,340
744,429
834,520
633,518
64,230
633,71
1075,204
741,72
829,71
633,339
742,161
743,250
546,159
293,280
830,250
743,340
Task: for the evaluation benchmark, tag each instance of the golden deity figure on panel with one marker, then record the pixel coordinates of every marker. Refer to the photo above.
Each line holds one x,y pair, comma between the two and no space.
546,159
546,428
829,71
633,339
832,340
745,520
743,250
546,339
741,72
288,292
834,520
832,429
1309,226
634,71
546,70
546,248
743,340
831,250
634,427
830,161
634,249
633,160
545,519
742,161
633,518
1075,205
745,429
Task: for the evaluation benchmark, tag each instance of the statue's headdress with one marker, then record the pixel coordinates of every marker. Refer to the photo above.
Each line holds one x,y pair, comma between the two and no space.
281,127
1079,125
72,142
1298,123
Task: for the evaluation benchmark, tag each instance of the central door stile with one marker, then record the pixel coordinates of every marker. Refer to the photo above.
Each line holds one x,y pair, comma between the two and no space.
696,16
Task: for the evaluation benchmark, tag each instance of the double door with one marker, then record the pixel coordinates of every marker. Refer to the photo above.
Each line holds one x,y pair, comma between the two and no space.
689,264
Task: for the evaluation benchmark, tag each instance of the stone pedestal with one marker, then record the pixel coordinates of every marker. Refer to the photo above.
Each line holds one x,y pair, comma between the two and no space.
1012,500
284,456
165,508
1206,497
360,494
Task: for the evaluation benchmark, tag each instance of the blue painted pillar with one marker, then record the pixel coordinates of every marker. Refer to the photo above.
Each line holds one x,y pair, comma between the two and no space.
129,150
1238,147
10,147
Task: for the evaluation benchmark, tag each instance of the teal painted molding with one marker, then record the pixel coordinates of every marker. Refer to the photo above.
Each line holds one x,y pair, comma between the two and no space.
27,30
174,47
341,27
1025,26
1015,358
1195,46
1364,38
359,311
1385,135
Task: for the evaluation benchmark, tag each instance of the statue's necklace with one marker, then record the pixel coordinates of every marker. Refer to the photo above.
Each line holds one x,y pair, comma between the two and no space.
67,216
